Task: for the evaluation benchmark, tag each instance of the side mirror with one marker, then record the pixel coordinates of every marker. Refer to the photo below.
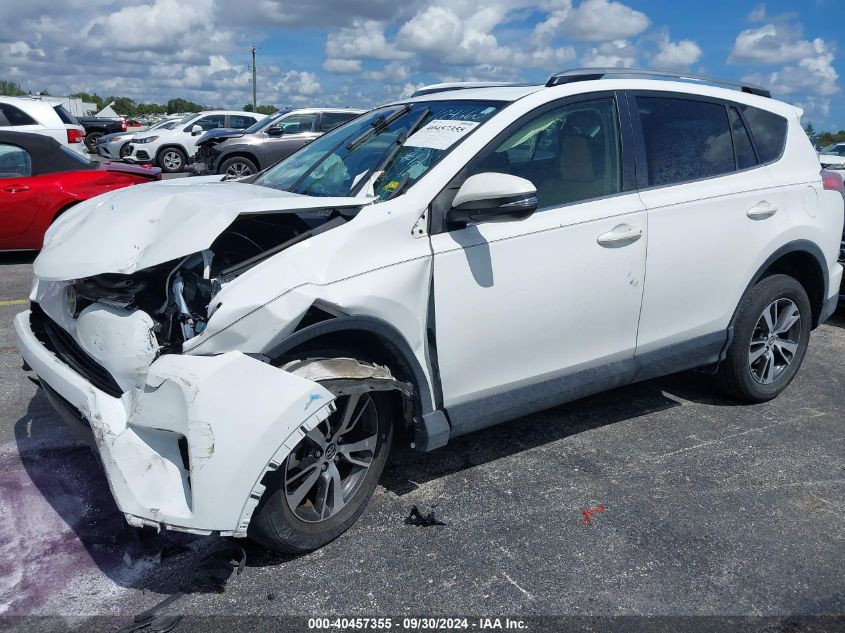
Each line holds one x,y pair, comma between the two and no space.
196,130
491,196
275,131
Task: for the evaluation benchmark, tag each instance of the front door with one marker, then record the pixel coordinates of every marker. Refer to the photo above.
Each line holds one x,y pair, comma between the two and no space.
536,311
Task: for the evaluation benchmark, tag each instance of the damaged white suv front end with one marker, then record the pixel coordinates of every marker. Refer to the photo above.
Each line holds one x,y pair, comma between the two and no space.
155,313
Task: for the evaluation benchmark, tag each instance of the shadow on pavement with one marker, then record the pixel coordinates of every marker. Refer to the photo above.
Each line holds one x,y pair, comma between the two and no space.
18,257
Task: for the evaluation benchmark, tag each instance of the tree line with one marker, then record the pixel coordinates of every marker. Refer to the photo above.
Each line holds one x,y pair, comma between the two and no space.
128,107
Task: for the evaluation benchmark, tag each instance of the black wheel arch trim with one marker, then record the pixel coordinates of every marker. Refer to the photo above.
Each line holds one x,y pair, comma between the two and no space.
796,246
384,331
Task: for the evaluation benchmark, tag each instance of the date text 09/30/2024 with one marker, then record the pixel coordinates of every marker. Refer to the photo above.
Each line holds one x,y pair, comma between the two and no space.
417,624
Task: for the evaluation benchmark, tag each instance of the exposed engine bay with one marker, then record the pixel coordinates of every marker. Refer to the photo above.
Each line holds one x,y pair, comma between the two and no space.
179,294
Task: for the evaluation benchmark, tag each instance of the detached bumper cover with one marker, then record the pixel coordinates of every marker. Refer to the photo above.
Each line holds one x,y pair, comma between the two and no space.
189,449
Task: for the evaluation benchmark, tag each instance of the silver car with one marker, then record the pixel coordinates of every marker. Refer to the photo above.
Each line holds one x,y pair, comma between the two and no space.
116,146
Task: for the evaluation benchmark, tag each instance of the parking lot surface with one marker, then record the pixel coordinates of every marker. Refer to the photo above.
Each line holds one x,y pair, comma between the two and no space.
707,508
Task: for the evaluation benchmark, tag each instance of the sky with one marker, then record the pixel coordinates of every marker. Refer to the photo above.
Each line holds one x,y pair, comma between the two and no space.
361,53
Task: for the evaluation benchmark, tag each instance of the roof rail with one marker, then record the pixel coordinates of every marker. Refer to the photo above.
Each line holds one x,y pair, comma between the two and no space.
464,85
588,74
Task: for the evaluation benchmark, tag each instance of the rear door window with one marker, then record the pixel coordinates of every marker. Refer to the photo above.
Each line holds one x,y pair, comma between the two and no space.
14,161
12,116
240,121
330,120
768,130
685,139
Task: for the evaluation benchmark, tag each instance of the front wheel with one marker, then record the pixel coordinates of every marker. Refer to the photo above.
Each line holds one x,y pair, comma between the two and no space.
237,167
771,334
171,160
325,483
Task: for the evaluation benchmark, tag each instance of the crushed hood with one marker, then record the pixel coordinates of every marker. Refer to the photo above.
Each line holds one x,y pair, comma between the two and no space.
141,226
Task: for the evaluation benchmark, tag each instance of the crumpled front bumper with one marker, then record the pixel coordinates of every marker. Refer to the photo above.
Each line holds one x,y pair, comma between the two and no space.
188,449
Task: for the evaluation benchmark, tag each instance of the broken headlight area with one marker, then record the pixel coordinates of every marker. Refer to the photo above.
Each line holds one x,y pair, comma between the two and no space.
179,294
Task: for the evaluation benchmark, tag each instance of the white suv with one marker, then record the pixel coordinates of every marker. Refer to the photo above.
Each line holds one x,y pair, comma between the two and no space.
28,114
243,354
170,149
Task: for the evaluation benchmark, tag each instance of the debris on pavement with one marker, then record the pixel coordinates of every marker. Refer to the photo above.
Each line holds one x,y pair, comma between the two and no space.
590,511
417,518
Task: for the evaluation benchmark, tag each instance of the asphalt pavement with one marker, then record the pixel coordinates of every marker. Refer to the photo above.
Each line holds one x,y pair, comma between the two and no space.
695,506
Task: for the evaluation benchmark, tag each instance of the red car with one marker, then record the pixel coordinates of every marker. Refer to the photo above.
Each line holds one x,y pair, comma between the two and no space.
39,179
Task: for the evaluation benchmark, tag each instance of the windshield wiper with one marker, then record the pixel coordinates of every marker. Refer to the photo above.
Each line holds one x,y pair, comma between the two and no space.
377,126
397,145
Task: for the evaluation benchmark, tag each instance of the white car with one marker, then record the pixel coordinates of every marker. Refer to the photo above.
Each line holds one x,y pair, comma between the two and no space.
116,146
27,114
833,156
244,353
170,149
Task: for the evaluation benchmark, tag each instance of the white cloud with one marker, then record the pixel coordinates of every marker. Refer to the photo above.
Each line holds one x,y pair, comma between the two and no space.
393,72
602,20
342,66
364,39
758,14
616,54
771,44
675,55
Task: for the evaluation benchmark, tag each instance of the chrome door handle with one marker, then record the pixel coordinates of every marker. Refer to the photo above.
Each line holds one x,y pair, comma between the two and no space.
761,211
620,235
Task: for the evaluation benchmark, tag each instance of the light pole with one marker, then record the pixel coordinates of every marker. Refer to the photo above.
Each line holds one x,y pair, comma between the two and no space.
254,90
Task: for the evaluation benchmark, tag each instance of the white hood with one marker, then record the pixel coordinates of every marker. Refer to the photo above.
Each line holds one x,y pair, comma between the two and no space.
141,226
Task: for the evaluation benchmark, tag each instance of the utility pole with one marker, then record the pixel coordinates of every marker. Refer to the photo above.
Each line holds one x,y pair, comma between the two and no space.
254,90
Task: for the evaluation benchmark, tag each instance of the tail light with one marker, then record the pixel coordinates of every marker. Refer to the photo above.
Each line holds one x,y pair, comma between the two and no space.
833,181
122,124
74,135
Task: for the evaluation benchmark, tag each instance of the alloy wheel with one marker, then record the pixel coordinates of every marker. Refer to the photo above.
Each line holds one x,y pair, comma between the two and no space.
774,342
238,170
329,465
172,160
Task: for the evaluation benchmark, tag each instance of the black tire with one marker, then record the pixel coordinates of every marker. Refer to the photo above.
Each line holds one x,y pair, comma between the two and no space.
172,160
240,167
278,526
745,380
124,150
91,141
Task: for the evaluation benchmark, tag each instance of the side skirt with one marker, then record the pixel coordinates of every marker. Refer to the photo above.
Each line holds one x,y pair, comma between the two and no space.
571,384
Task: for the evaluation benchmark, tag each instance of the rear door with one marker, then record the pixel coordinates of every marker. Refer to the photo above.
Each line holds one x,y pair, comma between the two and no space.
711,211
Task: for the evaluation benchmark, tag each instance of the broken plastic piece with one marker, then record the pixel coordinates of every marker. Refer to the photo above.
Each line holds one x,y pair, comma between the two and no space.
590,511
417,518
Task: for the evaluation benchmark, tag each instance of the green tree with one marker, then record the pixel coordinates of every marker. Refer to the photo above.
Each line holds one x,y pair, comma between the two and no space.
96,99
809,129
183,105
11,89
261,109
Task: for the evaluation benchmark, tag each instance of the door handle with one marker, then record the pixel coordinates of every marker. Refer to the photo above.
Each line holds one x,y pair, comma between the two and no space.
761,211
16,188
620,235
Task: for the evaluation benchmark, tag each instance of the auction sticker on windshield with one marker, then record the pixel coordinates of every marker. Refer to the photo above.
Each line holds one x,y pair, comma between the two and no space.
440,133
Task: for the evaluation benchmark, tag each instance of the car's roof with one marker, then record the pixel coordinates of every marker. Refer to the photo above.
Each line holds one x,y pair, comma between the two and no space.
514,93
308,110
47,154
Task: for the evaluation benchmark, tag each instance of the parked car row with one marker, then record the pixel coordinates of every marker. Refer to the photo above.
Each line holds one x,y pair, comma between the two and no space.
235,144
244,353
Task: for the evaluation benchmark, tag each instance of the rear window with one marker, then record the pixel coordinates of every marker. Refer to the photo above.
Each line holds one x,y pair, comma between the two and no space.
768,130
66,117
685,139
11,116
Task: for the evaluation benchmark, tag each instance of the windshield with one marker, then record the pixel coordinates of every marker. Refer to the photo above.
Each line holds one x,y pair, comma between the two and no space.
380,153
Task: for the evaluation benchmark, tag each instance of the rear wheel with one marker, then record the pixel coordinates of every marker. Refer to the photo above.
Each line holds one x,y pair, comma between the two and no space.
325,483
171,160
91,141
771,334
237,167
